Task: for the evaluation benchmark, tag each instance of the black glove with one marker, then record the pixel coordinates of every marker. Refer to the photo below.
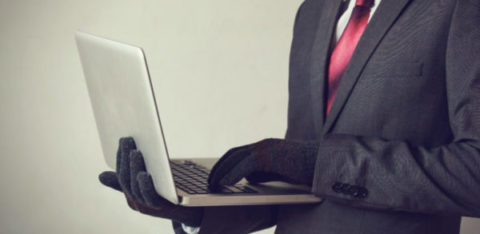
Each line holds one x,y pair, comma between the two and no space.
267,160
134,181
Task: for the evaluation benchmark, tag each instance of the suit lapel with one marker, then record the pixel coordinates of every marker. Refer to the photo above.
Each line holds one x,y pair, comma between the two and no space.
385,15
328,13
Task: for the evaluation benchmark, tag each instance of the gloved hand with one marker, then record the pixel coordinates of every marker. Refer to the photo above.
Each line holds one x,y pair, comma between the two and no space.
267,160
133,180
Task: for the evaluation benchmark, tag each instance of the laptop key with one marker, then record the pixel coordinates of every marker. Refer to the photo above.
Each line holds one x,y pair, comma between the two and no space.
192,178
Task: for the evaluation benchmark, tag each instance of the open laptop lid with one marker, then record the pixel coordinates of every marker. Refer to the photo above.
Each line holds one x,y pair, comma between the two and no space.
123,103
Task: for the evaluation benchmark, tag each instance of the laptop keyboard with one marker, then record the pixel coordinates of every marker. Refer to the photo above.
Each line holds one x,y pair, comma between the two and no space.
192,178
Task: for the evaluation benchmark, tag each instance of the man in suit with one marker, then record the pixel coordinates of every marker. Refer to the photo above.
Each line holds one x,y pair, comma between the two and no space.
394,123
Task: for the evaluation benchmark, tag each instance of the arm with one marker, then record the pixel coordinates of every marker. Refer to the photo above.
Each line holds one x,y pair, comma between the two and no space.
132,179
237,219
211,219
401,176
376,173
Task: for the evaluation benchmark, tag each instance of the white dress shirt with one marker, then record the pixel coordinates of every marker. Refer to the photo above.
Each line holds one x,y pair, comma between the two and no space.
343,21
341,25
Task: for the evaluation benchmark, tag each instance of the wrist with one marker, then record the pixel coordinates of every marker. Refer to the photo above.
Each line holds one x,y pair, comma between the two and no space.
190,216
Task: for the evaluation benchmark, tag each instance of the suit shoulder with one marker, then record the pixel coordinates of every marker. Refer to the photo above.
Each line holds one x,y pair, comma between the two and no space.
474,3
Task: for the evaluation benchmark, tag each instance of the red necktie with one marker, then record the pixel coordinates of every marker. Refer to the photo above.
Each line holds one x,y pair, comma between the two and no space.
346,45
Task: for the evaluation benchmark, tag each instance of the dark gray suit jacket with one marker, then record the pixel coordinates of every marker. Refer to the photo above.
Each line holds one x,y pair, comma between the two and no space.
404,127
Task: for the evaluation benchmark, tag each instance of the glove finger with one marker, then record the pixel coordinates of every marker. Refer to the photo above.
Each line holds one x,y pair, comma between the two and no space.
148,192
123,171
137,165
232,157
131,203
239,171
109,179
261,177
125,145
224,165
229,152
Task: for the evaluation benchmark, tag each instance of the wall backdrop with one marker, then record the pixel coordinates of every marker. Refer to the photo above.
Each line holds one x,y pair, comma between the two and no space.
219,68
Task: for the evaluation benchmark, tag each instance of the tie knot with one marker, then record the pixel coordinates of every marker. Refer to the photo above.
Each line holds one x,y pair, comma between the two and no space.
364,3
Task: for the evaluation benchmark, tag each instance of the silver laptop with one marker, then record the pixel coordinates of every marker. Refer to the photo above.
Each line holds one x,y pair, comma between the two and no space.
123,103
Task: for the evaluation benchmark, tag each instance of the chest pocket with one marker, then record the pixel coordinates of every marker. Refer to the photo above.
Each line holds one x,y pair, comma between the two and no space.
397,69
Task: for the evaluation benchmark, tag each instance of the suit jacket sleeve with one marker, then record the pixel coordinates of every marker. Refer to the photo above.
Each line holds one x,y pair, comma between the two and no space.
401,176
237,219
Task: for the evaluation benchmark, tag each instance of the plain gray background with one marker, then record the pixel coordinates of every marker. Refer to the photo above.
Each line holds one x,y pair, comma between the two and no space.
219,68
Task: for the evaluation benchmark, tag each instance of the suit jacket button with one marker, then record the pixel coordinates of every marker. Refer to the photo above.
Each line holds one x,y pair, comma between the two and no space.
355,191
363,193
337,187
346,188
